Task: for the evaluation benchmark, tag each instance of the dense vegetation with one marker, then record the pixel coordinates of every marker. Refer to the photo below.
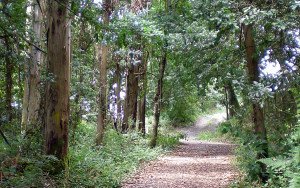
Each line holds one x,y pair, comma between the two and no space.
90,88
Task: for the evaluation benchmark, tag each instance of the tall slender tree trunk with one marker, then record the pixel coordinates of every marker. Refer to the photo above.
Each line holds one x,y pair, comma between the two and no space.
118,81
257,111
158,99
58,85
32,96
233,104
226,102
135,89
143,92
103,76
9,68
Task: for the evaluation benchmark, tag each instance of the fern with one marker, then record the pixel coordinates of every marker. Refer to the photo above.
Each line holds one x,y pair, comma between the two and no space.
285,169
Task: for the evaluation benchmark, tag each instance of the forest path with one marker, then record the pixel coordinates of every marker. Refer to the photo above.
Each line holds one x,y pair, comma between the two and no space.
193,164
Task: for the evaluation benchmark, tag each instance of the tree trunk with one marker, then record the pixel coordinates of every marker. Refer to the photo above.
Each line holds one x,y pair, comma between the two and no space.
102,58
143,92
103,76
9,68
226,102
118,82
158,100
32,96
233,104
134,98
58,84
130,108
257,111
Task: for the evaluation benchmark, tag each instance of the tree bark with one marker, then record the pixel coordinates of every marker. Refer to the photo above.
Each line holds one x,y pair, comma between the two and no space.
103,76
130,108
143,92
58,84
226,102
257,111
233,104
158,100
118,82
134,98
32,96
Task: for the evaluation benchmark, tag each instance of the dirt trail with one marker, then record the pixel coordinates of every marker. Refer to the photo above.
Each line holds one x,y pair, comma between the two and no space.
193,164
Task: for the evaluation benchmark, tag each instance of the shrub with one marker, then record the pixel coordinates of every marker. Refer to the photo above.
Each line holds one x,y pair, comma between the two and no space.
88,165
284,169
107,165
168,141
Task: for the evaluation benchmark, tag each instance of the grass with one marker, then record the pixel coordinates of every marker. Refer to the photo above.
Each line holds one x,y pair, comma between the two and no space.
108,165
208,136
217,135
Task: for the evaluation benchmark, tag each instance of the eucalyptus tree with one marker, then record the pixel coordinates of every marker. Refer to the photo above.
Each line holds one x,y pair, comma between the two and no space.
142,101
103,54
129,56
130,106
32,95
58,84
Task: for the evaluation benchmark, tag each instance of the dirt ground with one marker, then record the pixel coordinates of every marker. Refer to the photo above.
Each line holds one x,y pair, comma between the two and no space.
193,164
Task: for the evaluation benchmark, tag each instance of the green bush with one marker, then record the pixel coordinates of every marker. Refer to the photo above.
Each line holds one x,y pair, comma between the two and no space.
225,127
168,141
183,111
107,165
219,135
88,165
248,147
284,169
209,136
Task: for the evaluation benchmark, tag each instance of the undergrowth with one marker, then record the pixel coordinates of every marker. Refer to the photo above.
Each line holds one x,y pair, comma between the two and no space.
107,165
217,135
209,136
283,169
88,165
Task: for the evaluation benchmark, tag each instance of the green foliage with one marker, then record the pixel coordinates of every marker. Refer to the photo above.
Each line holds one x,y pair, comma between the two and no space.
282,166
22,162
168,137
248,147
285,169
225,127
28,172
107,165
204,52
220,134
169,140
246,160
208,136
183,111
88,165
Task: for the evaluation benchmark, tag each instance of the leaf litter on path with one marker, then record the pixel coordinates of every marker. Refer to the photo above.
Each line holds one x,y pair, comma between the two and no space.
193,164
